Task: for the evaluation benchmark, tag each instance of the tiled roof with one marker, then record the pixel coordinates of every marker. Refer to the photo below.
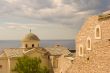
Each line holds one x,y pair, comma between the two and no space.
104,15
13,52
106,12
58,50
40,49
19,52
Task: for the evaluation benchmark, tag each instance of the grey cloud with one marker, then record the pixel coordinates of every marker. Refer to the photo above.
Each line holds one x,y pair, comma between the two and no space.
36,10
17,7
83,5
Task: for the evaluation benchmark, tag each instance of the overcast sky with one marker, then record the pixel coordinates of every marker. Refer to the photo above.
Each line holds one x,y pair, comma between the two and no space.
48,19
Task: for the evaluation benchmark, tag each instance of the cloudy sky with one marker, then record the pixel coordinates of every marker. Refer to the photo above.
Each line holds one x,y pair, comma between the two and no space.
49,19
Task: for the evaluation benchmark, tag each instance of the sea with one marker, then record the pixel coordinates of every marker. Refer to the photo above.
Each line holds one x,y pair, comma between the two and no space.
70,44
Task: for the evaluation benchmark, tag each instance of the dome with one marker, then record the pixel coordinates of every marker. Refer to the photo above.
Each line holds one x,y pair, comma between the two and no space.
30,37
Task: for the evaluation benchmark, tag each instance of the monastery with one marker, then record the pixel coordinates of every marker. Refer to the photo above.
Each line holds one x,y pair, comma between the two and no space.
53,58
92,50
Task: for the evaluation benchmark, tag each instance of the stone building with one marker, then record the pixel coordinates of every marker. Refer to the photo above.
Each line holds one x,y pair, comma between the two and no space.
30,41
31,47
60,58
93,46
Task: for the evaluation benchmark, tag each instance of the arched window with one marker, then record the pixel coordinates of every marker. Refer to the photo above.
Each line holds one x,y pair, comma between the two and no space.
97,32
81,50
32,45
88,43
26,45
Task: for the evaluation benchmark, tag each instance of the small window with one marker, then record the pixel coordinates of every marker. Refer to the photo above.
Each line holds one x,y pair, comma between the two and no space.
48,57
81,50
88,58
88,43
32,45
26,45
0,66
97,32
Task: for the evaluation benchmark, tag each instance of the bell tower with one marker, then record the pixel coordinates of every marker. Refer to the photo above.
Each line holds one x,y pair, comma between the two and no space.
30,41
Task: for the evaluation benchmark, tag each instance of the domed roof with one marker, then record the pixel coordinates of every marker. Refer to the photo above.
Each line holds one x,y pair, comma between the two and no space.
30,37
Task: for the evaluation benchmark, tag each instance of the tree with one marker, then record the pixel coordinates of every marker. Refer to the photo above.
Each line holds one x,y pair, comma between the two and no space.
26,64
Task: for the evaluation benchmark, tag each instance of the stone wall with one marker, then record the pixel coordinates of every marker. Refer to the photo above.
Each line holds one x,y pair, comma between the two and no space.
96,60
63,65
4,66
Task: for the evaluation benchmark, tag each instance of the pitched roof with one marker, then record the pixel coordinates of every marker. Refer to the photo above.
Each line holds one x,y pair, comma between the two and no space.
58,50
40,49
106,12
13,52
19,52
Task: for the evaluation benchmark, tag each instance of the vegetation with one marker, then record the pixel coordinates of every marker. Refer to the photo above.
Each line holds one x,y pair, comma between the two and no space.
29,65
